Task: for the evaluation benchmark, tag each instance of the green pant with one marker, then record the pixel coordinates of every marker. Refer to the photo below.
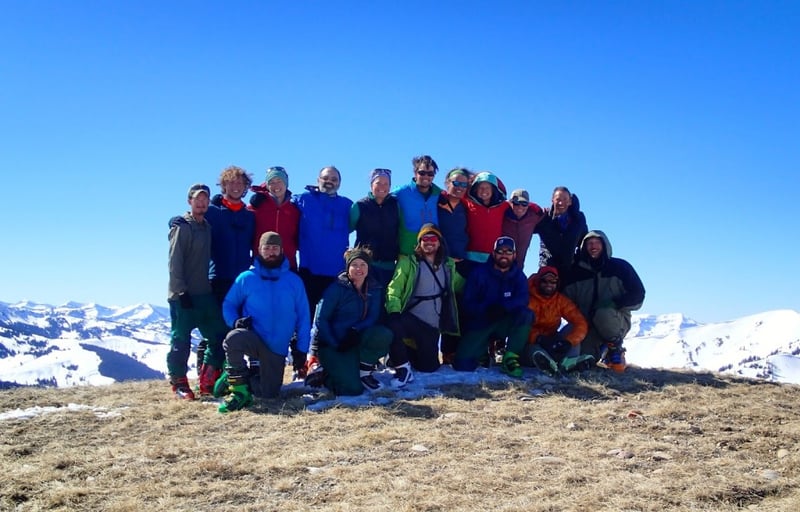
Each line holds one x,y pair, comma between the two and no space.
475,342
342,367
206,317
606,325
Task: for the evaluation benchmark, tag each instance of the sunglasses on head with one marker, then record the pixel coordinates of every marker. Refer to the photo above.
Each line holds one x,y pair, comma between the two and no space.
426,173
429,238
460,184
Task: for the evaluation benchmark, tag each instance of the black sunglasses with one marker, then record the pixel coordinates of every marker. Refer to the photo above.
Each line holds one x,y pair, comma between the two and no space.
426,173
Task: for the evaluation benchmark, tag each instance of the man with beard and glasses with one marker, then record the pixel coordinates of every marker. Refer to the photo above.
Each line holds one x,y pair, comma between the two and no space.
265,306
496,306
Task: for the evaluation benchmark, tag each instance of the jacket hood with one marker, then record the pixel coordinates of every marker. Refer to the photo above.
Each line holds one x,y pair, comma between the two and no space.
485,176
596,233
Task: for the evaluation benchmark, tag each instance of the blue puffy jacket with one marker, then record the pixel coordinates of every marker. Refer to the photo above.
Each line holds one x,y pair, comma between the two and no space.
342,307
276,300
487,286
324,231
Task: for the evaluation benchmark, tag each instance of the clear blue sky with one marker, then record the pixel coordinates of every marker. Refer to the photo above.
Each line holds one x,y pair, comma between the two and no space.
676,123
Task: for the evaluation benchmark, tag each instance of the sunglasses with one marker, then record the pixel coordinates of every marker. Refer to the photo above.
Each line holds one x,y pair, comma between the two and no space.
429,238
554,282
517,202
504,252
430,174
460,184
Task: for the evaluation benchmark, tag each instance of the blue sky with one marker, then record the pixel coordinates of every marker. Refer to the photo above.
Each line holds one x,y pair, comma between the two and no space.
676,123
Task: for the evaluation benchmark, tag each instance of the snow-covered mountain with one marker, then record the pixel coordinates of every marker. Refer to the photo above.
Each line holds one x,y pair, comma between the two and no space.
92,344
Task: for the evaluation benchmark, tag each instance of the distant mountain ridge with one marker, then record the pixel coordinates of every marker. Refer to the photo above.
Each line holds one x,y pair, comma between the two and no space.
74,344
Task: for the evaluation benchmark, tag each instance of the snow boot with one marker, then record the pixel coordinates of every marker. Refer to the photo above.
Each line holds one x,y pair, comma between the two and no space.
368,380
238,398
402,376
510,365
181,388
208,377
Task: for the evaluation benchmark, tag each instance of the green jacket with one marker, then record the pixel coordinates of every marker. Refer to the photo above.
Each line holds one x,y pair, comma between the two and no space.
404,280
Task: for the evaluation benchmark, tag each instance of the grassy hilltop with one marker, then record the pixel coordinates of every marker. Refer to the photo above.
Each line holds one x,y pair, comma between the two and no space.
648,440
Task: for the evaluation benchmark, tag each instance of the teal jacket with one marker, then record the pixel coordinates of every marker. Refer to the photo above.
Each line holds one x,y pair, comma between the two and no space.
342,307
404,280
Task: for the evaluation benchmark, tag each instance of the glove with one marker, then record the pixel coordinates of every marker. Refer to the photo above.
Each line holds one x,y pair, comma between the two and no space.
350,340
174,221
246,322
257,198
555,346
186,300
495,312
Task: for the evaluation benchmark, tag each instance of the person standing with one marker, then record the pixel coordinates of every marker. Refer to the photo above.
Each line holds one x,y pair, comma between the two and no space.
191,300
375,219
266,305
486,206
520,221
561,231
421,304
418,202
324,236
606,290
274,211
349,338
496,306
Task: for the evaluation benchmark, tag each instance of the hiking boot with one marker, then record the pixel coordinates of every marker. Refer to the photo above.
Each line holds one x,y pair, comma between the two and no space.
497,349
181,389
208,377
368,380
402,376
579,363
544,362
221,385
238,398
510,365
615,359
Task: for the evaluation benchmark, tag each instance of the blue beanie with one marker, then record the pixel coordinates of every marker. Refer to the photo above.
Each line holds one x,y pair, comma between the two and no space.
280,173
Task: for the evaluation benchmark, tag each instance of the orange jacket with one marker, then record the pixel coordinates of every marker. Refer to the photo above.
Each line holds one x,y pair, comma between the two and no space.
548,312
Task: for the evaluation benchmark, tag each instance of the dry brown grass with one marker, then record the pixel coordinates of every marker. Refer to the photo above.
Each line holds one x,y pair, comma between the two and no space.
650,440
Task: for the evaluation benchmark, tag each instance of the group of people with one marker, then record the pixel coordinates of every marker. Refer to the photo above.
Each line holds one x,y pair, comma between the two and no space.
436,276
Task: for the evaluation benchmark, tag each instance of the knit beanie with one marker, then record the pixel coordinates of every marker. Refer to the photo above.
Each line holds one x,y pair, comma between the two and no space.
377,173
428,229
280,173
547,270
357,253
270,238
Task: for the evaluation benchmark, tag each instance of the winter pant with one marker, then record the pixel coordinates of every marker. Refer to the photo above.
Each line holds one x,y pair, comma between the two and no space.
206,317
219,287
243,342
475,342
416,342
450,341
606,325
342,368
315,286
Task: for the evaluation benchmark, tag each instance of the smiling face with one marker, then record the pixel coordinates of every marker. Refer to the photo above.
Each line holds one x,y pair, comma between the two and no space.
504,258
423,175
199,204
547,285
594,246
234,189
271,254
561,201
357,271
329,181
483,191
429,244
380,188
277,188
457,186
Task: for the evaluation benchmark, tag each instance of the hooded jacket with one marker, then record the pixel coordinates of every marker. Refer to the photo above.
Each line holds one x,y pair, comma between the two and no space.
603,282
484,223
189,257
560,236
377,226
276,300
521,230
548,312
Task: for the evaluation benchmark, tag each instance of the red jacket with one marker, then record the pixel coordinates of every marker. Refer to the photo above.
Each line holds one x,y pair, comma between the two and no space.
284,219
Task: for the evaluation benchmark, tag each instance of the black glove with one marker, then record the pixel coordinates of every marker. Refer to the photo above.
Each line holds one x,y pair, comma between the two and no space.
174,221
351,339
246,322
495,312
555,346
256,199
186,300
